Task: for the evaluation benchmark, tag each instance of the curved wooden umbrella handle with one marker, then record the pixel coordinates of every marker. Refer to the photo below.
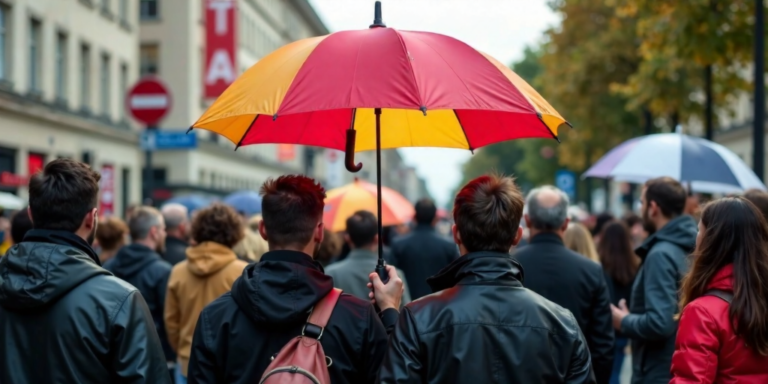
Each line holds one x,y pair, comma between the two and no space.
349,156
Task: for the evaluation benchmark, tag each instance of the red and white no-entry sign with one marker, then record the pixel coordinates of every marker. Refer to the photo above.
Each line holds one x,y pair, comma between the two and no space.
149,100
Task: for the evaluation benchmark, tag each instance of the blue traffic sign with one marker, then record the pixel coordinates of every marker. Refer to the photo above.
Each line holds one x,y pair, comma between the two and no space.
157,140
566,181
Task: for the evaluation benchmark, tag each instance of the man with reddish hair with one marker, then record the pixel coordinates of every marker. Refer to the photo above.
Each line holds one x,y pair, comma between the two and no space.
481,325
238,334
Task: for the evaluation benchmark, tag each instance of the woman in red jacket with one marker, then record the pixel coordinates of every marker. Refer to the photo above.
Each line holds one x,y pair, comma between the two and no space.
723,333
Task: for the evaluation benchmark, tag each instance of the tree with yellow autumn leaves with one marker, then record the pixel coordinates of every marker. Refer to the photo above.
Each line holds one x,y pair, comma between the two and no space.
610,64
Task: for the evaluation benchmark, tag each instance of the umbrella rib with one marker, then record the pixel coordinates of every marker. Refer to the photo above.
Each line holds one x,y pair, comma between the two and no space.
464,132
464,83
239,143
413,73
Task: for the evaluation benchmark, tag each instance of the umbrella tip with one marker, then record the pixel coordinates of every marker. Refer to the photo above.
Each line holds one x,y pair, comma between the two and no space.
189,130
377,21
423,109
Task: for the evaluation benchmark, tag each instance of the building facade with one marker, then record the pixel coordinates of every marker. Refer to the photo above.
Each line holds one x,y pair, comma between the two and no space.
65,66
173,47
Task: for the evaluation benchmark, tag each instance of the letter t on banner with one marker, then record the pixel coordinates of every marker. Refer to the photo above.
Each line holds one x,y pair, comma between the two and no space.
220,46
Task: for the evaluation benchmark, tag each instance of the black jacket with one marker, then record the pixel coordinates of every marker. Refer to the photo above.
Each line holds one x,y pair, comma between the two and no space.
421,254
175,250
484,327
148,272
237,334
64,319
651,324
577,283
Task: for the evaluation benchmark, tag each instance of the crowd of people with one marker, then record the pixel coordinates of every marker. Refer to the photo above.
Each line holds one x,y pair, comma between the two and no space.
214,297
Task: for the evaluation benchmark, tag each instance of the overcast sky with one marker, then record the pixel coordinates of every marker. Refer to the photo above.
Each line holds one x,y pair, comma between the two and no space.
501,28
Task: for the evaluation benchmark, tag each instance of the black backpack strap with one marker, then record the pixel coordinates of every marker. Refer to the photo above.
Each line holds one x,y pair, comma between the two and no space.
725,296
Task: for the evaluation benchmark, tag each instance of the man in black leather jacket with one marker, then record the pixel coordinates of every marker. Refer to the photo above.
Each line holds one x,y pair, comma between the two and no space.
482,325
64,319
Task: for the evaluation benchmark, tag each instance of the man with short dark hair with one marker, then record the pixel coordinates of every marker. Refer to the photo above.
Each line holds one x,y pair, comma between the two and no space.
238,334
481,325
566,277
423,252
64,318
650,322
140,264
351,274
21,223
177,232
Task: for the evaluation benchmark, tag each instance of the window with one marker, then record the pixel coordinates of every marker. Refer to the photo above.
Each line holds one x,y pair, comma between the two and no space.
61,66
106,7
123,89
34,55
104,85
148,9
85,76
148,57
4,39
123,11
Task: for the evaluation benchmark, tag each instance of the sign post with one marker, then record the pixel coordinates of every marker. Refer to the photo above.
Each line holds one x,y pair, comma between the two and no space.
566,181
148,102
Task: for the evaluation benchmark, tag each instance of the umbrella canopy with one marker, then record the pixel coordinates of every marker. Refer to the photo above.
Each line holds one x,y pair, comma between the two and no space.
11,202
432,90
343,202
708,167
246,202
192,202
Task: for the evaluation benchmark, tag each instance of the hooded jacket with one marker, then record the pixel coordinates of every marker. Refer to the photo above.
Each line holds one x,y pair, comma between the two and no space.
208,272
707,350
64,319
651,323
143,268
483,326
237,335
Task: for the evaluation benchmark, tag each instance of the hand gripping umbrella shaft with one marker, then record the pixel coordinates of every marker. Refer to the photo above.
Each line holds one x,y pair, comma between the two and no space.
380,270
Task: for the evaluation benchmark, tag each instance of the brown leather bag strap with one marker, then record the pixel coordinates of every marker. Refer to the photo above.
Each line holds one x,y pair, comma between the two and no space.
323,309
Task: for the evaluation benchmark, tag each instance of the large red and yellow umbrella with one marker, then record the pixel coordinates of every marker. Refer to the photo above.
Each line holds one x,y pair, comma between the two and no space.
432,90
379,88
343,202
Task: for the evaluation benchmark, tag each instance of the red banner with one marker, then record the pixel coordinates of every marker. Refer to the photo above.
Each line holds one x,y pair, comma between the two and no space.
107,189
220,46
35,163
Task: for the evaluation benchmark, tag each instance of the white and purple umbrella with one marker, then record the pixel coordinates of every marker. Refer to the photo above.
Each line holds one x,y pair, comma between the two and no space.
708,167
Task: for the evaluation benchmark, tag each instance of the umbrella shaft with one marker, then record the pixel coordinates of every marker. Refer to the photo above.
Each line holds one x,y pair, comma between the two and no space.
377,111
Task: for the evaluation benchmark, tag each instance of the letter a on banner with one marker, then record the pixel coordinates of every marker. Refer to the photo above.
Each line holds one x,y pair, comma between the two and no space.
220,46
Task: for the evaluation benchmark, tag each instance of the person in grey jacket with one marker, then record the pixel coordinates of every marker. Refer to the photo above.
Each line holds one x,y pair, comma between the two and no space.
351,274
650,321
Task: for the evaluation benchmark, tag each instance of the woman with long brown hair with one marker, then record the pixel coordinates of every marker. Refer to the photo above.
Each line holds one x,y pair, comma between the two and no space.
620,265
723,333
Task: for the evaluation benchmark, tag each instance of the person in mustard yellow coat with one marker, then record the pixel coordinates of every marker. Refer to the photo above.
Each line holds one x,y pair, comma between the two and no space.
208,272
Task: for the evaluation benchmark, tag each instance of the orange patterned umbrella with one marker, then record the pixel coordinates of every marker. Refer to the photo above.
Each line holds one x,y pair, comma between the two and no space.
343,202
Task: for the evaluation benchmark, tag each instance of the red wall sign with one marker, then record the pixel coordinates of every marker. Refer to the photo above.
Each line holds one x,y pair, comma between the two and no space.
286,152
107,189
9,179
220,46
35,163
